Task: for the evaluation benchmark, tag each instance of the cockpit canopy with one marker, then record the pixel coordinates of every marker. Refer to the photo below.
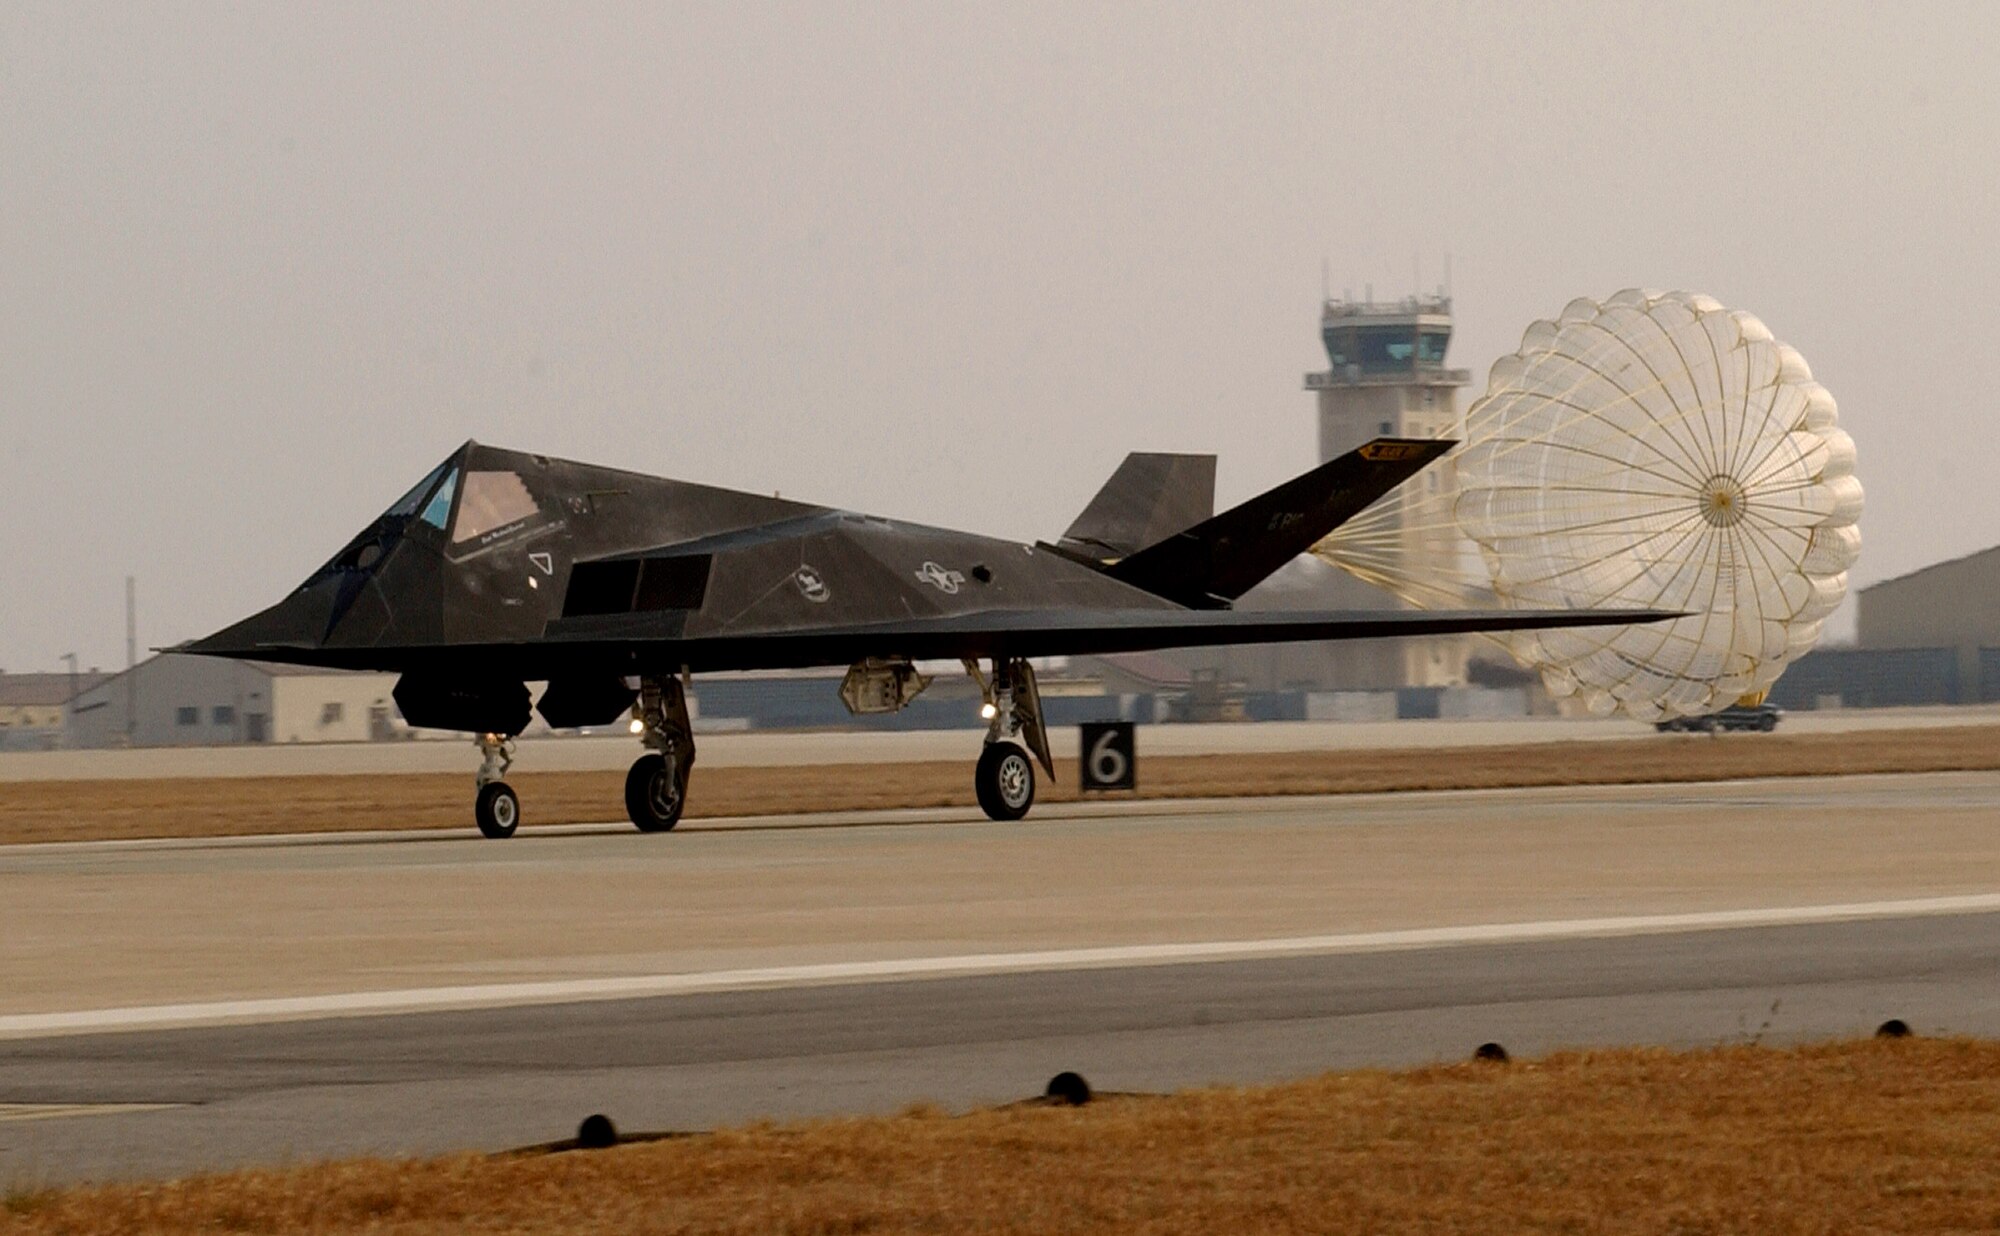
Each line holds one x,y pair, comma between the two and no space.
466,504
491,499
432,495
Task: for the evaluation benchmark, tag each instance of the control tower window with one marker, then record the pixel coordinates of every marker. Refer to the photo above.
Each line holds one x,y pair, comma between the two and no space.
1386,348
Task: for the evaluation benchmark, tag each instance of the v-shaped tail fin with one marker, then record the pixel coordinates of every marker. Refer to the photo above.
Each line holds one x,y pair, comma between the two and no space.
1150,497
1211,564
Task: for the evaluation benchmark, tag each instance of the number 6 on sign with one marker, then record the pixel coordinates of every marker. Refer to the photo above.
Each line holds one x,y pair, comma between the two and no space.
1109,757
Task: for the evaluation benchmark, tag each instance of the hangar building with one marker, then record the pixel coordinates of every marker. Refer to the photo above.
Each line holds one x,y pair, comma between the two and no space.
32,707
1946,605
179,701
1929,637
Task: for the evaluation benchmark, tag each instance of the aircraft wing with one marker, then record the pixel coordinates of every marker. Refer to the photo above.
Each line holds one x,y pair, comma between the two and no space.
648,638
656,642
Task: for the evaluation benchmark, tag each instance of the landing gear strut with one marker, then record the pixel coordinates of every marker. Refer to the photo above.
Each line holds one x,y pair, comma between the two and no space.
656,787
497,809
1004,781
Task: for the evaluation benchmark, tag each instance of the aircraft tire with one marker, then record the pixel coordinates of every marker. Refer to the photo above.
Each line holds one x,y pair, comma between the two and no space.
650,810
497,810
1005,781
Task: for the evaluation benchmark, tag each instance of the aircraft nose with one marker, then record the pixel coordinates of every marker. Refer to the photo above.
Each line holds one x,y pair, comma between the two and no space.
301,620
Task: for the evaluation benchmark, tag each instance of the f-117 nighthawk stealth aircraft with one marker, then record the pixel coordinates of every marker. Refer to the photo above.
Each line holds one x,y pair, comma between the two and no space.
502,568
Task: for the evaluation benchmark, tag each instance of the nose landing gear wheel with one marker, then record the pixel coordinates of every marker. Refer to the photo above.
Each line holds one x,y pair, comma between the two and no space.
653,794
1004,781
498,811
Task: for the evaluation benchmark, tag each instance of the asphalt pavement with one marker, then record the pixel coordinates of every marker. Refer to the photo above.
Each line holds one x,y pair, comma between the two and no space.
286,999
164,1103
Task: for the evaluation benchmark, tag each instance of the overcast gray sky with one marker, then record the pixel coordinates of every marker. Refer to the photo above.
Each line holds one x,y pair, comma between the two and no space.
261,266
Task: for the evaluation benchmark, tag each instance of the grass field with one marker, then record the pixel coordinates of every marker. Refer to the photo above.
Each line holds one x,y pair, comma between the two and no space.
1879,1135
206,807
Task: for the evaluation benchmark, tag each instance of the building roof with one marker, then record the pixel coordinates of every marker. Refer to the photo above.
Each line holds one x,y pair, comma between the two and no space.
31,690
270,669
1149,667
276,669
1935,566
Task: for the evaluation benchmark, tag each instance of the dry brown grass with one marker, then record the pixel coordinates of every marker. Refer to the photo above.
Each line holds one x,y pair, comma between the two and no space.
1872,1136
230,806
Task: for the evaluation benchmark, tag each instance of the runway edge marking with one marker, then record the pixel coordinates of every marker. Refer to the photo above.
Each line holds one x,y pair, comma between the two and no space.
563,991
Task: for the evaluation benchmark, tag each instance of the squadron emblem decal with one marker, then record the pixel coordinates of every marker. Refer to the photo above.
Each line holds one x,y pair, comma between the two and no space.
811,583
945,581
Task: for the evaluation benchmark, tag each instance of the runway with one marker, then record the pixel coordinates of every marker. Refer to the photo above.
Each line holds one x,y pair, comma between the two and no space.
796,749
1148,947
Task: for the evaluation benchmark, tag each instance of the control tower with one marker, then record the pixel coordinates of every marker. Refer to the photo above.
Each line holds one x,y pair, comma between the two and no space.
1387,375
1387,378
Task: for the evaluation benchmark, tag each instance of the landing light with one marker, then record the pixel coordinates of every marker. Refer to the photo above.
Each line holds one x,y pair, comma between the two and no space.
988,711
638,727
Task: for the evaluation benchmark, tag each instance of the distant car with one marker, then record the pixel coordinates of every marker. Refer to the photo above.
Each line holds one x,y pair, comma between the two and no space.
1760,717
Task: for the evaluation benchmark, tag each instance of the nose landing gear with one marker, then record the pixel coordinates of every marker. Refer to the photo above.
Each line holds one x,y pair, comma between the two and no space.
656,786
1004,780
497,810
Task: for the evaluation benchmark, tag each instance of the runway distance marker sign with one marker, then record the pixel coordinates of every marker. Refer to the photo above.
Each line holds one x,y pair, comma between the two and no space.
1110,755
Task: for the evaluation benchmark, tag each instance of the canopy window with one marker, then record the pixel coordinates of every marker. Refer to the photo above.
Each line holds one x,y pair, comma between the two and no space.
408,504
491,500
438,509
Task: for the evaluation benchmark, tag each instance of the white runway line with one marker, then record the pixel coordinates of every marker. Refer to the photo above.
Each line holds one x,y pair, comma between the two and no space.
20,1113
562,991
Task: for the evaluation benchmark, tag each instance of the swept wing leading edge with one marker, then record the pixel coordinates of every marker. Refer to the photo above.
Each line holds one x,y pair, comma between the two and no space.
635,643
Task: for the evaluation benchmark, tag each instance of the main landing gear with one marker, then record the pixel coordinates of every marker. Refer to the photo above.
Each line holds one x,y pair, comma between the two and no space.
1004,780
656,786
497,809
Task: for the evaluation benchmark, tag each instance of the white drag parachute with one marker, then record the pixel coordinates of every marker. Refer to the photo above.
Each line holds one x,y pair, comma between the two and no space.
1654,450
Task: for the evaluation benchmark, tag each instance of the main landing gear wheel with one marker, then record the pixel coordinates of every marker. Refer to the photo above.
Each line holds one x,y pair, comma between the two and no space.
1005,781
497,810
653,794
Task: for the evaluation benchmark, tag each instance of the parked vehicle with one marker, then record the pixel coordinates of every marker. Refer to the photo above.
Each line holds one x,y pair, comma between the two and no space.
1761,717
